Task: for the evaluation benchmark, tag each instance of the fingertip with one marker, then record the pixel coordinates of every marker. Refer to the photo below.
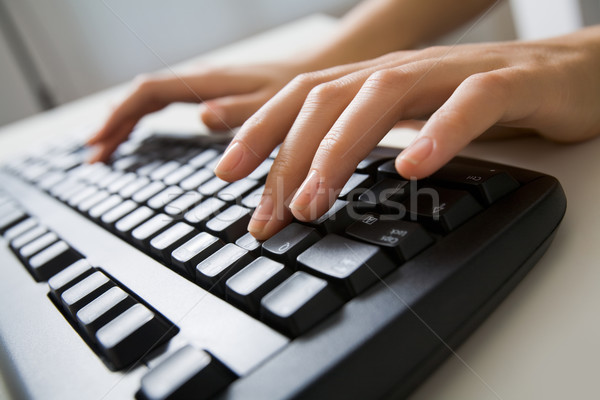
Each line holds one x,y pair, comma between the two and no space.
214,117
413,162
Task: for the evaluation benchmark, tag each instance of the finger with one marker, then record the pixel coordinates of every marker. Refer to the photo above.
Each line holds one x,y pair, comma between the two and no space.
478,103
152,94
270,124
321,109
386,96
232,111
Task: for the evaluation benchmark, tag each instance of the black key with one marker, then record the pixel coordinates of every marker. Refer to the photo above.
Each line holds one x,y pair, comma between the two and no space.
131,335
246,288
250,243
405,239
388,170
356,182
164,243
488,185
233,193
84,291
197,249
92,200
37,245
385,195
125,225
109,179
164,170
131,188
103,309
146,168
336,219
288,243
441,209
231,224
122,182
179,174
68,277
27,237
371,162
353,265
299,303
145,232
213,272
188,373
205,211
75,199
52,260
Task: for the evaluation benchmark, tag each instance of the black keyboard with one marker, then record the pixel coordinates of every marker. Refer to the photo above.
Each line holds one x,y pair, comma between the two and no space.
362,303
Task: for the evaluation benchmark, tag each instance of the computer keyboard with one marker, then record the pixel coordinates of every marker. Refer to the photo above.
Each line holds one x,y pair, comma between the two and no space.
147,261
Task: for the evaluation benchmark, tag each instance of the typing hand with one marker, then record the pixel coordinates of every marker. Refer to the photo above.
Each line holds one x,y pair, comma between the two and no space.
228,95
330,120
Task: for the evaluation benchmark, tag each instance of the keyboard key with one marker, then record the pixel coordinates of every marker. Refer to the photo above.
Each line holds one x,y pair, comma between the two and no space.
178,175
441,209
488,185
103,309
288,243
37,245
261,172
371,162
405,239
231,224
249,242
164,170
388,170
299,303
68,277
204,211
10,219
131,188
146,231
148,191
118,212
252,200
213,272
184,203
353,265
246,288
131,335
165,197
195,250
212,186
122,182
196,179
203,158
92,200
52,260
164,243
147,168
126,224
84,291
27,237
104,206
385,195
336,219
109,179
188,373
20,228
80,196
356,182
233,193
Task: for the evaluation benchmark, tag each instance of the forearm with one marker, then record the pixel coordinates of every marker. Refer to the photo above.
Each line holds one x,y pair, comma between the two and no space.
377,27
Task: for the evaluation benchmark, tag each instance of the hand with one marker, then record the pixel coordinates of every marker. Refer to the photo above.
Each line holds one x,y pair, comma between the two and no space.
330,120
229,95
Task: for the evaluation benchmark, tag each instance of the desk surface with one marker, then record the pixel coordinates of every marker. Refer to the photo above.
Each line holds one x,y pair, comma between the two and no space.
542,341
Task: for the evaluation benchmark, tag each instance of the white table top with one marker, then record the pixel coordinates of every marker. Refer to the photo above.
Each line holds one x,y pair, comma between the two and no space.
542,341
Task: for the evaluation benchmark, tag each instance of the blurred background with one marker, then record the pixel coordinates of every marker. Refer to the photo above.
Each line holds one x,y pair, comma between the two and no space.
55,51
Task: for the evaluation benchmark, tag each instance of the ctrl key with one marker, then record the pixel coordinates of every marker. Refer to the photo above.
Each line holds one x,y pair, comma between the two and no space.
298,303
189,373
131,335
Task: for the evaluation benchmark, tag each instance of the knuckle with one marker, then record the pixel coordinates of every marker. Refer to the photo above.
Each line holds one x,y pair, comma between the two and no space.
143,82
382,80
324,93
493,83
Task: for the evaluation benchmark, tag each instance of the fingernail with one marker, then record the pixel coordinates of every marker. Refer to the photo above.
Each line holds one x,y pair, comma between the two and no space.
307,191
261,215
418,151
232,157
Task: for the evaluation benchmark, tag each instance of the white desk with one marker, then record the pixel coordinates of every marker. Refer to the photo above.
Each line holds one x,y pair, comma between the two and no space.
542,341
